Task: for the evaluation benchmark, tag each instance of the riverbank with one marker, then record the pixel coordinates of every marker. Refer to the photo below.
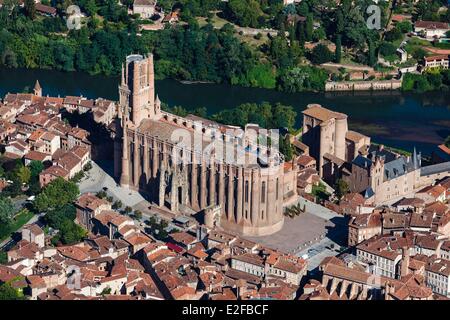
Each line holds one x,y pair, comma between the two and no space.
399,119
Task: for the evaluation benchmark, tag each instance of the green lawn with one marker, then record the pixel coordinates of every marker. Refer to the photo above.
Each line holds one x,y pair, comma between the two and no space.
419,42
216,21
19,220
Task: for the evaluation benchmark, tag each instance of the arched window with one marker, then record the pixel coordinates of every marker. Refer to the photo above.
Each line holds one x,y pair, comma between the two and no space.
263,192
246,191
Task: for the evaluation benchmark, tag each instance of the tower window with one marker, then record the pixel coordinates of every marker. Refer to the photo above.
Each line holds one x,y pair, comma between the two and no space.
263,192
246,191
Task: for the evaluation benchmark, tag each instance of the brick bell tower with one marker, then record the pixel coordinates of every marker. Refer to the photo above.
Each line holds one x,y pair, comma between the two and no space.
137,89
136,102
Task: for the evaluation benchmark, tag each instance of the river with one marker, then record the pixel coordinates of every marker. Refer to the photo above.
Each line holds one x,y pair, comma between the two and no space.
402,120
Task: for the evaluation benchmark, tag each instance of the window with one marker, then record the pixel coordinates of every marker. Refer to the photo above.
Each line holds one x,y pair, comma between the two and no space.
246,191
263,192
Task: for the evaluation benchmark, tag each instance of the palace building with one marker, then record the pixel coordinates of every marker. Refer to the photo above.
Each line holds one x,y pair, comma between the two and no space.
379,174
189,164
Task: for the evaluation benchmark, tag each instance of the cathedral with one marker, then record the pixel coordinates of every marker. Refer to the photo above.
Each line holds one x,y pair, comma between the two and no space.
190,164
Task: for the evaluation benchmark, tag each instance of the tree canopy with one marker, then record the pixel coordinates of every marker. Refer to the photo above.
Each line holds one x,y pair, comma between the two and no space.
6,210
62,219
56,194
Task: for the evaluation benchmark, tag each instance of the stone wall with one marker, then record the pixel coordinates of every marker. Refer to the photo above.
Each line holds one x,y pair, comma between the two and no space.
363,85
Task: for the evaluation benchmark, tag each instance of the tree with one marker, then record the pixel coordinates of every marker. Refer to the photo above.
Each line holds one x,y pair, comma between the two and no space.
300,32
24,174
309,29
372,57
244,12
6,210
101,194
91,7
340,24
56,194
341,188
62,219
393,35
127,210
321,54
387,49
286,148
404,26
14,189
138,214
87,166
117,205
303,78
30,9
338,53
36,167
7,292
419,53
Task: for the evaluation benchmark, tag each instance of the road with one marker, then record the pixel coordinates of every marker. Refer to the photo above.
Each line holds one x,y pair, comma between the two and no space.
347,66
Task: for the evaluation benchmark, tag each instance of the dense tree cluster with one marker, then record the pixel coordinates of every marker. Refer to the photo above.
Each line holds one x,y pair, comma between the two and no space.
40,43
207,54
188,52
157,229
62,219
430,10
56,194
266,115
8,292
303,78
6,210
256,13
21,176
431,80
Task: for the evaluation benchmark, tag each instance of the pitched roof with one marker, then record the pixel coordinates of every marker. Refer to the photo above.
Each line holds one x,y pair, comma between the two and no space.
318,112
431,25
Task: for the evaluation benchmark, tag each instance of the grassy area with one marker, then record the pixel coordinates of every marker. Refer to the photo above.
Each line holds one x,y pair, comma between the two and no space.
442,45
216,21
21,218
419,42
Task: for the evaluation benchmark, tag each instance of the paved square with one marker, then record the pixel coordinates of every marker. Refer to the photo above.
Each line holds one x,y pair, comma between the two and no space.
296,233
